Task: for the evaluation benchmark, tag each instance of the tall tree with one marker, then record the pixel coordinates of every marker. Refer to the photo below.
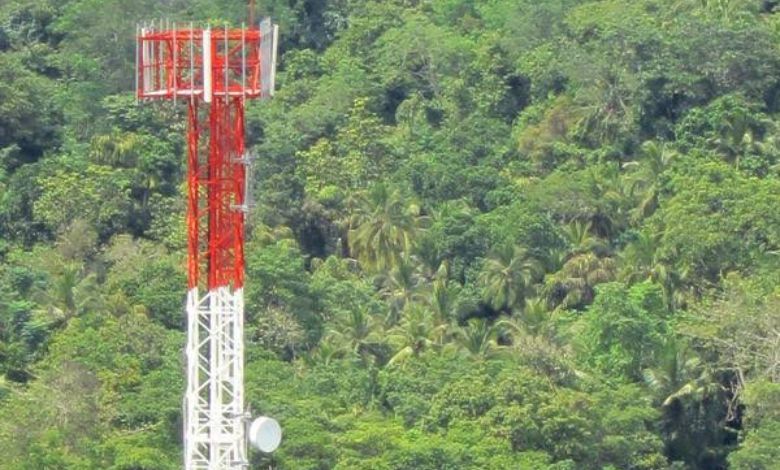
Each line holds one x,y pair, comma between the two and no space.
416,333
383,227
645,179
478,338
507,276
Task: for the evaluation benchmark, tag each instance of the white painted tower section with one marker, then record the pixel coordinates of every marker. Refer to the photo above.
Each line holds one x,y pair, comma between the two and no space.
215,430
207,68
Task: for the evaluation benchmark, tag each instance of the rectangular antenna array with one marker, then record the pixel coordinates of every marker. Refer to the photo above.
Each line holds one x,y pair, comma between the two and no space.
180,62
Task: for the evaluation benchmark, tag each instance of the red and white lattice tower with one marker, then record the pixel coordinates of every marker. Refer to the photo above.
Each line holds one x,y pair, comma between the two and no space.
213,71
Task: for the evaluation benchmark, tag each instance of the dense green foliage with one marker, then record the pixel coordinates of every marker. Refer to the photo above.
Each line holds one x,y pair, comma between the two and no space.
498,234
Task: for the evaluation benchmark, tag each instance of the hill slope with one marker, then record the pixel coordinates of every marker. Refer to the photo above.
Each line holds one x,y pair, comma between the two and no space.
489,234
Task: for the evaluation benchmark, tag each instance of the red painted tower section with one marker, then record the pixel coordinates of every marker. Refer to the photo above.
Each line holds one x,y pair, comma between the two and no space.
226,181
223,67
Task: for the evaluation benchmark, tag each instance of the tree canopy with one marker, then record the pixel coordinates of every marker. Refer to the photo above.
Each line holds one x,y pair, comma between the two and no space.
498,234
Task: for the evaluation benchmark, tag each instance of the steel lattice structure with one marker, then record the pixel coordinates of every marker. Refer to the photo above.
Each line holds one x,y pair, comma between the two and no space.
214,71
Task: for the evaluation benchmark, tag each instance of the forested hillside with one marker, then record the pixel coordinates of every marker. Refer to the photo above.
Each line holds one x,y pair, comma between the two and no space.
497,234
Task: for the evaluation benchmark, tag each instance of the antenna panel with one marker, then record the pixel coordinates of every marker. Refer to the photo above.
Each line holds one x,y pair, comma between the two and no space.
184,62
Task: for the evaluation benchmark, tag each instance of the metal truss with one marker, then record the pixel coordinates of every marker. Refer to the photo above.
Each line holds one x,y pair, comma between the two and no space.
220,68
214,425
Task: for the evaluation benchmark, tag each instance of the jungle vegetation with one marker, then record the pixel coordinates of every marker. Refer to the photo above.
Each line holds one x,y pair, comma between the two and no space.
496,234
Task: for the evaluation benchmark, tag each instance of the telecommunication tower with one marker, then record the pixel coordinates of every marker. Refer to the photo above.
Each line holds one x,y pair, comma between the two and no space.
213,71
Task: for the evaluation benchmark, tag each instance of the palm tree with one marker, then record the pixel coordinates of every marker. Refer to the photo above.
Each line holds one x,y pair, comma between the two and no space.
125,150
383,227
535,316
605,110
119,149
266,235
417,332
507,276
573,286
609,188
679,375
442,295
656,158
554,258
119,305
354,333
685,389
325,353
639,259
402,286
71,291
479,338
581,239
737,137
